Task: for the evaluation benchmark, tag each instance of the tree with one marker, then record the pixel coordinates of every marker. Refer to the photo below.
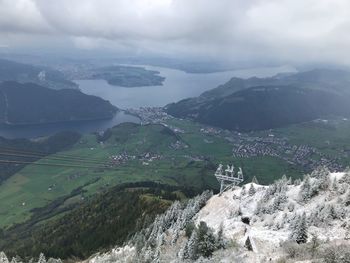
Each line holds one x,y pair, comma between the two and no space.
314,245
3,258
192,246
252,190
335,184
42,258
299,233
206,240
189,229
220,239
305,190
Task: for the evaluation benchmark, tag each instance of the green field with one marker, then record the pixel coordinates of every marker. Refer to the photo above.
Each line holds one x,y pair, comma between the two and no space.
193,164
188,157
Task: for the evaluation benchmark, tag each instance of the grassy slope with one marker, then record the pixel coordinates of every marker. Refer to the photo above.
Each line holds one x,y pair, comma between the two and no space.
30,185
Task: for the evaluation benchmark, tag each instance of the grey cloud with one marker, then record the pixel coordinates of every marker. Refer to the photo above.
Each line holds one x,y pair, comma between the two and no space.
287,30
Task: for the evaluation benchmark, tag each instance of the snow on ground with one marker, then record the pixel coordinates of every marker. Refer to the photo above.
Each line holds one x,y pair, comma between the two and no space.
232,206
265,216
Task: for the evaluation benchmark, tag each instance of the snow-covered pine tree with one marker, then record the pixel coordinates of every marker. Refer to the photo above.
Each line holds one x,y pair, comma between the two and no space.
279,201
243,191
192,246
305,190
300,235
323,175
252,190
206,240
42,258
3,258
297,182
335,185
220,239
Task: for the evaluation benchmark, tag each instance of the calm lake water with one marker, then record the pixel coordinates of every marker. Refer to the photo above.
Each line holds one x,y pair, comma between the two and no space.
177,85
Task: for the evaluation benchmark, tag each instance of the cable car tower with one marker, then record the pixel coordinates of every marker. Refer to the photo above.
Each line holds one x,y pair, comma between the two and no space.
228,178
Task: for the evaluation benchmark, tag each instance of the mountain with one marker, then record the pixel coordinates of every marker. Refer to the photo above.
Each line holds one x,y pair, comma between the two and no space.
23,73
265,103
33,104
304,221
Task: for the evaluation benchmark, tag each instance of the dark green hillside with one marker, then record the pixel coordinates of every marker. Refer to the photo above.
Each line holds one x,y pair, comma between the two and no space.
265,103
32,104
100,222
23,73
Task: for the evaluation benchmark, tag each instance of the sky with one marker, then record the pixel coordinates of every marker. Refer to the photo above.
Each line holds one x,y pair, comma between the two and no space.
286,31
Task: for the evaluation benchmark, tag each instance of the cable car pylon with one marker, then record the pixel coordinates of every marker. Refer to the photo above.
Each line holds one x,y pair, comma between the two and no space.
228,178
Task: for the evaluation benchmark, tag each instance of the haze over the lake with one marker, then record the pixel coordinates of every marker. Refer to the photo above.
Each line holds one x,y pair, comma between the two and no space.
279,32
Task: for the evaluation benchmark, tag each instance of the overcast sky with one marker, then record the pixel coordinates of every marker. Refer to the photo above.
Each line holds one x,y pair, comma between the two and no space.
296,31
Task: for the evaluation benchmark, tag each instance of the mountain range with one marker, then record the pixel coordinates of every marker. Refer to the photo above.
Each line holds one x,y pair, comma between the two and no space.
265,103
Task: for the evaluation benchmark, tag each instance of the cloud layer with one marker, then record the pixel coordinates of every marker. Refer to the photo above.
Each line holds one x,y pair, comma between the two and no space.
284,30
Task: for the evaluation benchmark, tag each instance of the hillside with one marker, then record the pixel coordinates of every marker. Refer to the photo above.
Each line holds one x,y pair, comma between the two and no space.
21,150
33,104
92,223
265,103
24,73
306,221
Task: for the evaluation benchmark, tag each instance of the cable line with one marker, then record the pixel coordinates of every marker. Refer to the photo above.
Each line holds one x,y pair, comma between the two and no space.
52,164
50,158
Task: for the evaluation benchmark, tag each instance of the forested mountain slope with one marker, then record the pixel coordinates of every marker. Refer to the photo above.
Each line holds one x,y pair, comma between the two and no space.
265,103
32,104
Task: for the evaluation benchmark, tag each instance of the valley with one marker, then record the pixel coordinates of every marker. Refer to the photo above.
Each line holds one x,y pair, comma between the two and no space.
174,152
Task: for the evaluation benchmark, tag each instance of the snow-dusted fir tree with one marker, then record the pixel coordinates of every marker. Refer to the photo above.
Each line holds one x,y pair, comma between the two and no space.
3,258
220,239
305,190
252,190
42,258
192,246
322,182
206,240
299,230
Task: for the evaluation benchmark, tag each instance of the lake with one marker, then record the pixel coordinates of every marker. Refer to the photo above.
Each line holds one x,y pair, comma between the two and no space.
177,85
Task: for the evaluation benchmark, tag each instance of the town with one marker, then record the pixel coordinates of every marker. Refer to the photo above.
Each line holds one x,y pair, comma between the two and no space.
246,145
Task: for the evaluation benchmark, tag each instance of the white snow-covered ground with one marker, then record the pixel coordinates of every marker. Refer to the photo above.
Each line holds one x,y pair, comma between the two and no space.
269,221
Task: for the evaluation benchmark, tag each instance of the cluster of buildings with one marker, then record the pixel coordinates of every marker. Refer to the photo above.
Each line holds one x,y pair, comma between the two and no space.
149,114
246,145
144,158
301,155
